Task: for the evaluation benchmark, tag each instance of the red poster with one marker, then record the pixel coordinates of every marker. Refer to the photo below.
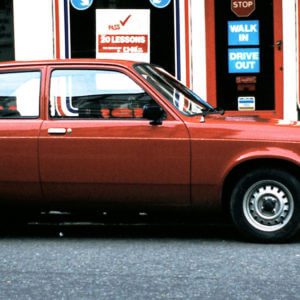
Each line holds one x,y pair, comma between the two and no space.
123,34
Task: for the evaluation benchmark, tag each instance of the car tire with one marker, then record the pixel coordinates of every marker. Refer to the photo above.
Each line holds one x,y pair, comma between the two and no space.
265,205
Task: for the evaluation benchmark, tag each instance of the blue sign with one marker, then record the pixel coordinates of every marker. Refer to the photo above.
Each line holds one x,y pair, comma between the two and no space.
244,60
243,33
81,4
160,3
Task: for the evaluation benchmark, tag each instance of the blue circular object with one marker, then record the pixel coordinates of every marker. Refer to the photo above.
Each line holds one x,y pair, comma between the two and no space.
160,3
81,4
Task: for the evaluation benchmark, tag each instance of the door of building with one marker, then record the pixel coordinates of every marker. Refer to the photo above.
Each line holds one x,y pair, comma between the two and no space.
246,56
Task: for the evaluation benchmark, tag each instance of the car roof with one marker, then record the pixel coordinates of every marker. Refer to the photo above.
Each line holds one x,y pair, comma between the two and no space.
72,61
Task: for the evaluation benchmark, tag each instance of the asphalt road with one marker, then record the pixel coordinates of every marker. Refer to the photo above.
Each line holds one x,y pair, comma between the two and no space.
144,262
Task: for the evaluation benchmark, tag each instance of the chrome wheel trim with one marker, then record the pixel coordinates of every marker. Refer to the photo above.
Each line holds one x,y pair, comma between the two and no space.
268,205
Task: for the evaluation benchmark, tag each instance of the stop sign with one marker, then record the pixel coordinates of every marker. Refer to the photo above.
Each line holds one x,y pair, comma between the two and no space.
243,8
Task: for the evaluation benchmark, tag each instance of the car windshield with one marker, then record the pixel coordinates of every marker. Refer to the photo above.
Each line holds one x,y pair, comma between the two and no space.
181,97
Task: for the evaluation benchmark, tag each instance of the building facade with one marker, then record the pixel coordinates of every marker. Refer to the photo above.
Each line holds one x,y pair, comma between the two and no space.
241,55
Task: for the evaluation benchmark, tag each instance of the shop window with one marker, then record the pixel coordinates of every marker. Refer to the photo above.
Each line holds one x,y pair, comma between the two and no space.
162,50
19,95
93,94
6,30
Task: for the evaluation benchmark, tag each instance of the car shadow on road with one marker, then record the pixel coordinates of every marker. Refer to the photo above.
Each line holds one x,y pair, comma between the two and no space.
122,231
116,229
141,228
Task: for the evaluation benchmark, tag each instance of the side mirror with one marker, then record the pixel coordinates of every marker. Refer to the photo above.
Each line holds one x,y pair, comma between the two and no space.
220,110
154,113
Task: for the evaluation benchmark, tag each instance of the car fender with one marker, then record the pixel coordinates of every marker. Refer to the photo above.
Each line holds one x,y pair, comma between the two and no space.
260,156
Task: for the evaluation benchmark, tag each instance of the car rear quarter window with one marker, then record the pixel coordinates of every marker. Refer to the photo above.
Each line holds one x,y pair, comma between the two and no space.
19,94
96,94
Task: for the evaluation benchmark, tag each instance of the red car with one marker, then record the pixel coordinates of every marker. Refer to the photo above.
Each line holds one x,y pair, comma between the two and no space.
92,134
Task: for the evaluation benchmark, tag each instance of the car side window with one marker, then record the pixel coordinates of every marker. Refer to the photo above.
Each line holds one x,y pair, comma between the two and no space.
96,94
19,95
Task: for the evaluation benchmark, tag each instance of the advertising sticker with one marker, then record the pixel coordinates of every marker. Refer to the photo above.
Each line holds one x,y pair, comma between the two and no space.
160,3
123,34
243,8
82,4
246,103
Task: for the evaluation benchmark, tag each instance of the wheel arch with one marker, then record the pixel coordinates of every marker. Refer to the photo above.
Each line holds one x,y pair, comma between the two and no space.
250,165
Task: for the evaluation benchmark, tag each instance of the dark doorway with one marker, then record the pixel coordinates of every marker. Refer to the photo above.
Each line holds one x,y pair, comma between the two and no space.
162,51
245,57
7,51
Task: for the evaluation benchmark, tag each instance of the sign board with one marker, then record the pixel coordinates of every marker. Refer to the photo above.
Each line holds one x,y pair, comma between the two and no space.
123,34
81,4
244,60
243,8
243,33
246,103
160,3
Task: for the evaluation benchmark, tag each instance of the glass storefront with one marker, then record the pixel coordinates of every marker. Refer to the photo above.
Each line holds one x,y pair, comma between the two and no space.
162,49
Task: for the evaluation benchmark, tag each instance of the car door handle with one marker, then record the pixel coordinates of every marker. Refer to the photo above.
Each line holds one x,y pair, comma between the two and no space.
57,130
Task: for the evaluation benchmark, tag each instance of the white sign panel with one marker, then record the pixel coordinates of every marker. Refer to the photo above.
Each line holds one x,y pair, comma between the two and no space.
123,34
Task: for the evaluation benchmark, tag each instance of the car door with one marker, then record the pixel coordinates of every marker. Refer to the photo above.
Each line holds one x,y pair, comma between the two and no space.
20,123
96,148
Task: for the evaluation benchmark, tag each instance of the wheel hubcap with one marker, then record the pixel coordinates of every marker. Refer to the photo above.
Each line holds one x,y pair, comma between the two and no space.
268,205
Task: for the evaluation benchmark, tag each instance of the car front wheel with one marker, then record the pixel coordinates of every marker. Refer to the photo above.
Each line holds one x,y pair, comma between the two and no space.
265,205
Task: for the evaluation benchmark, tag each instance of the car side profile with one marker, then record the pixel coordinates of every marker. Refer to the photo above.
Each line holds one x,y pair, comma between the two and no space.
105,134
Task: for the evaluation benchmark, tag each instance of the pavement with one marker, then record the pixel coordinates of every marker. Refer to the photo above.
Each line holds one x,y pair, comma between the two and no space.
147,261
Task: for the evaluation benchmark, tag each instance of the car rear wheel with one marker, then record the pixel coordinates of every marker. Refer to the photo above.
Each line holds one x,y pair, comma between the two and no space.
265,205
